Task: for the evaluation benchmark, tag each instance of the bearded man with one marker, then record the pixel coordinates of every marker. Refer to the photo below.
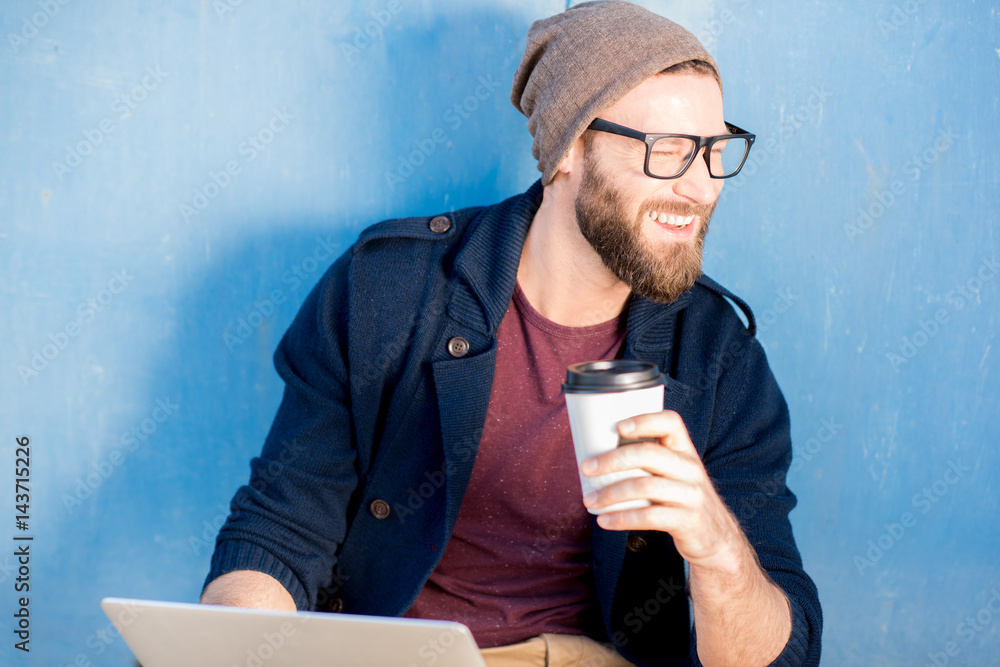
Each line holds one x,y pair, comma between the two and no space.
421,462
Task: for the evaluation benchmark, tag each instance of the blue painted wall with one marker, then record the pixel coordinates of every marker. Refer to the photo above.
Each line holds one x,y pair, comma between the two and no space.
175,176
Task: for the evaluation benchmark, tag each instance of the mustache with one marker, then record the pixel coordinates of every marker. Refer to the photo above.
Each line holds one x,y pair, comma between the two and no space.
677,208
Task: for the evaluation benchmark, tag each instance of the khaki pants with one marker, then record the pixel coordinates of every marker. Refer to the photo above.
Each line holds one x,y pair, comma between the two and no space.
550,650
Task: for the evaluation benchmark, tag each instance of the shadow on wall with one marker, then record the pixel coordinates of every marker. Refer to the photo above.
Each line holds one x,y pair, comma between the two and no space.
455,140
439,134
143,517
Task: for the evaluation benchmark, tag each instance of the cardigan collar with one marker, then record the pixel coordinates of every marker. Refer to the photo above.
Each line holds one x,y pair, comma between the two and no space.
489,258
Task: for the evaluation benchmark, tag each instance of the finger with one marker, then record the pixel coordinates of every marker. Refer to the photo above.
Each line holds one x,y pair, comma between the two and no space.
666,426
658,490
651,457
655,517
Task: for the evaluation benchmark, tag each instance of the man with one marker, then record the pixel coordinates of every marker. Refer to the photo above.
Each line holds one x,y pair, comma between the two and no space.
421,463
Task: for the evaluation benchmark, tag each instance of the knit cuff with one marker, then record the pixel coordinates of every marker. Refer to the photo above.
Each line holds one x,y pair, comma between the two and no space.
231,555
794,653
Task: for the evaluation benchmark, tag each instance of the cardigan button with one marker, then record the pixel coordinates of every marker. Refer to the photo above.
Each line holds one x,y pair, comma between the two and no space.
380,509
440,224
458,347
330,605
635,543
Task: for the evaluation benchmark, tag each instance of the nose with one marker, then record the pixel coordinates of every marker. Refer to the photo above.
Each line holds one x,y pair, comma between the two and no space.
696,184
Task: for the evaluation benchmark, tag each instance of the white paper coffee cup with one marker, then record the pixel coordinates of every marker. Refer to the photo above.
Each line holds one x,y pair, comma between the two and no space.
599,394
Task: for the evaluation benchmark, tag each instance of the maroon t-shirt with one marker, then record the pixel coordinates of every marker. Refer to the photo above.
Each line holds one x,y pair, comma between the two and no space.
518,561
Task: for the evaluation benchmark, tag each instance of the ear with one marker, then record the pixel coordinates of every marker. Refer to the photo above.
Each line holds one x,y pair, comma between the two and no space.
573,161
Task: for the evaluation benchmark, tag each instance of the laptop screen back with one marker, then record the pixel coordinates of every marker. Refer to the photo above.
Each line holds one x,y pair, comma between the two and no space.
173,634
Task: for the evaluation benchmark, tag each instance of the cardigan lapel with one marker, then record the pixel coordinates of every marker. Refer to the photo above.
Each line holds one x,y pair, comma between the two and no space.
487,267
463,392
489,258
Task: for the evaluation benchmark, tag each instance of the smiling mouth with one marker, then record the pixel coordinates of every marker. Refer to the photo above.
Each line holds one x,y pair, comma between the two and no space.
672,221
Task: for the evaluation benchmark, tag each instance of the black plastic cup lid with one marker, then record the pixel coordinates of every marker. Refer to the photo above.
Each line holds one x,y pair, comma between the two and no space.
602,377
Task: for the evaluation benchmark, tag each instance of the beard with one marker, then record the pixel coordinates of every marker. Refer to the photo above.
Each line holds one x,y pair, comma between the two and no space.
615,233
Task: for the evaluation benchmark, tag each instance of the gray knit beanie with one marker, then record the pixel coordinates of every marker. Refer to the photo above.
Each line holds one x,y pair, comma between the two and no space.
580,62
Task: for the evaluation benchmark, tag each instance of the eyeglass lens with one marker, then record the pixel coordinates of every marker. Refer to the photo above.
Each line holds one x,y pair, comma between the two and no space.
669,155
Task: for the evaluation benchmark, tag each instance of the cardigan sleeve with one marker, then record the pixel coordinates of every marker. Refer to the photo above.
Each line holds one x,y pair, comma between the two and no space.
291,517
747,458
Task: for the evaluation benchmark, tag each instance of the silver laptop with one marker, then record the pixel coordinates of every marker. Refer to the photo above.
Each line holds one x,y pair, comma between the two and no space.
174,634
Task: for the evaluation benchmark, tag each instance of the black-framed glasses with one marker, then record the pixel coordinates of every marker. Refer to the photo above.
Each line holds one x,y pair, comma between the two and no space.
670,155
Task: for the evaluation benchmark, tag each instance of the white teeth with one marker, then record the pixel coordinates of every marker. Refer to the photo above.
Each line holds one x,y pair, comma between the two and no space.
672,220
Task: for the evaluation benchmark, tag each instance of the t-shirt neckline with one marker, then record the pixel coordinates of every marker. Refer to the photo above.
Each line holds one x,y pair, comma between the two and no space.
616,324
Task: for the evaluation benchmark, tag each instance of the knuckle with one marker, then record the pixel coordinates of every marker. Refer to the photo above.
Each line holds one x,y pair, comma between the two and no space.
627,458
654,449
646,486
660,514
696,495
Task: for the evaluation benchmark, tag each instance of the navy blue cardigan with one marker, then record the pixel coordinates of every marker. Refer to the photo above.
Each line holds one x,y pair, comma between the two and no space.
359,483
